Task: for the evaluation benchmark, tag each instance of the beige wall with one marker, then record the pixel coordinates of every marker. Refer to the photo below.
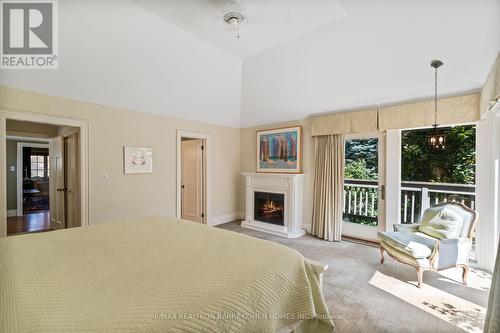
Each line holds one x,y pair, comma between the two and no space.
123,196
34,130
248,161
491,88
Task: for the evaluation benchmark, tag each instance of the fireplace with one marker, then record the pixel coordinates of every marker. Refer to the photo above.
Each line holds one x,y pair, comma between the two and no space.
274,203
269,207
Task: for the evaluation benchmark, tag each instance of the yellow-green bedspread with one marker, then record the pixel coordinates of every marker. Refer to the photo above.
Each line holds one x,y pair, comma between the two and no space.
155,275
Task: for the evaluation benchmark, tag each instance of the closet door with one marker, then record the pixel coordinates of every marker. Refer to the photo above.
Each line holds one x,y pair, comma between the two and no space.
192,180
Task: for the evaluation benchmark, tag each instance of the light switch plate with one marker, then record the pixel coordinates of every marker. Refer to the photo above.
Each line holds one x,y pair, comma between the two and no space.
104,176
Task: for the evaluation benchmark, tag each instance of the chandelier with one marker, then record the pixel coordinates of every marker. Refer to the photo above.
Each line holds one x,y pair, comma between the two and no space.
437,138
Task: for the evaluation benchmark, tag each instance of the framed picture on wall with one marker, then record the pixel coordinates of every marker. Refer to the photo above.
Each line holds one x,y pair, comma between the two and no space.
137,159
280,150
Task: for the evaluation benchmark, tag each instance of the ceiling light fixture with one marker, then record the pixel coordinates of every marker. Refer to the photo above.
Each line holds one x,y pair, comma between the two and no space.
437,139
234,20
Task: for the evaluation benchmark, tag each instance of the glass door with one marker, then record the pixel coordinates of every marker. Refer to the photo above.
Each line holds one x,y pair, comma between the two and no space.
364,186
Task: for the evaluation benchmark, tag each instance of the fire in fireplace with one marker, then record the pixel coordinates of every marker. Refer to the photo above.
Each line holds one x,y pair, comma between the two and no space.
269,207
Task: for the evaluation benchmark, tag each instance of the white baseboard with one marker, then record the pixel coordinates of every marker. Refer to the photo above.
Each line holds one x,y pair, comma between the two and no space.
226,218
12,212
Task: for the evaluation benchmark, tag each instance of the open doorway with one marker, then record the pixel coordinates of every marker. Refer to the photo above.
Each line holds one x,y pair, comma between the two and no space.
192,157
32,177
43,177
364,186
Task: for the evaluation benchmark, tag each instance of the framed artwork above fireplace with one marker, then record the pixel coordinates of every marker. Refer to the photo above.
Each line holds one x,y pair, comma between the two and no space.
280,150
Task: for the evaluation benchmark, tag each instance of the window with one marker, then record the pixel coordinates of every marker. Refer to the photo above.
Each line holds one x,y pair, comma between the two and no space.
361,159
361,181
430,177
39,166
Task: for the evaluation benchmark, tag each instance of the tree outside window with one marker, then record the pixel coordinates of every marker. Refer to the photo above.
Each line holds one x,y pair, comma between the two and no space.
454,165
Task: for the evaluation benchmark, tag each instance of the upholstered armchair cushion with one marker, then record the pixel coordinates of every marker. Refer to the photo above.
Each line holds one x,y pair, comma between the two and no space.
406,227
467,217
441,222
417,245
453,252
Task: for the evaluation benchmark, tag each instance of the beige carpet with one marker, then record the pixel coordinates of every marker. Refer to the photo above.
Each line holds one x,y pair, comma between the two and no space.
366,296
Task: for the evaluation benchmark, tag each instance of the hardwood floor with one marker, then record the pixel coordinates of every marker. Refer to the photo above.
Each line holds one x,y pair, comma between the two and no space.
30,222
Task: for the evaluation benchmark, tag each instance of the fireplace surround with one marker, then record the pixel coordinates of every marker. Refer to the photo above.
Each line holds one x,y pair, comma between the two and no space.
274,203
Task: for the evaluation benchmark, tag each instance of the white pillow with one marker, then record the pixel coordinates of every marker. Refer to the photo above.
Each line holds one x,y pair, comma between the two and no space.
441,222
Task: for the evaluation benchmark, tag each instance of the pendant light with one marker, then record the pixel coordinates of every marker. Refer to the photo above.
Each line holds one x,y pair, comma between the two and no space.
437,139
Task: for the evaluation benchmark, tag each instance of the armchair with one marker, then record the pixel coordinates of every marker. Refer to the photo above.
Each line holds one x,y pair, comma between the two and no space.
441,240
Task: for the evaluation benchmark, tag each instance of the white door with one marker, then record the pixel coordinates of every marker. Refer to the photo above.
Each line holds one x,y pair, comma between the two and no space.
192,180
364,186
56,183
72,176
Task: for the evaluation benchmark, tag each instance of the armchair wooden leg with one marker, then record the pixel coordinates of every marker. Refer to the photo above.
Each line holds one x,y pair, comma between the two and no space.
382,259
420,275
464,273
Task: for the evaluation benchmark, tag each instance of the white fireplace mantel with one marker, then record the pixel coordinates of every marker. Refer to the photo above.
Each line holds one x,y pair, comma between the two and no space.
291,185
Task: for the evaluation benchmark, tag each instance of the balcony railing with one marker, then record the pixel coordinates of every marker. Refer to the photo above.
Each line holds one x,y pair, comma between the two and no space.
361,199
416,197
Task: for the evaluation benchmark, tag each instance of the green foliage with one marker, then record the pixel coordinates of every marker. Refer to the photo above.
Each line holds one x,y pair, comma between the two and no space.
455,164
357,169
361,159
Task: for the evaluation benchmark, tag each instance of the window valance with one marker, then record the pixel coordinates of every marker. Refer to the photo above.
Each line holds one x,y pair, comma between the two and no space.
451,110
346,122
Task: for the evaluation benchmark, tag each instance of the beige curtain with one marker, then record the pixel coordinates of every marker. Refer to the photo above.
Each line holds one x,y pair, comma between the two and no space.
328,186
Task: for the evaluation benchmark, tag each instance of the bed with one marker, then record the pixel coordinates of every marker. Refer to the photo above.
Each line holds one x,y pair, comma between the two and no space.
156,275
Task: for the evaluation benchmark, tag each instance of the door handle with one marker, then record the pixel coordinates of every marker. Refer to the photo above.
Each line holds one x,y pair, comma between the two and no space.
382,192
182,186
62,189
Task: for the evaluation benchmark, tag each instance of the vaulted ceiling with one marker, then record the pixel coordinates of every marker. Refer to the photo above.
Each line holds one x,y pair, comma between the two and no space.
265,23
294,58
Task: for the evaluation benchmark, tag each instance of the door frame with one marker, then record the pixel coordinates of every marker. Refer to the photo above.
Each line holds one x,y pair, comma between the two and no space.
206,165
366,232
45,119
19,171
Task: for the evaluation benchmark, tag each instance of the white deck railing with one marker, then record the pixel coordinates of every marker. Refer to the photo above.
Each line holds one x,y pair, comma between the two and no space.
361,199
416,197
